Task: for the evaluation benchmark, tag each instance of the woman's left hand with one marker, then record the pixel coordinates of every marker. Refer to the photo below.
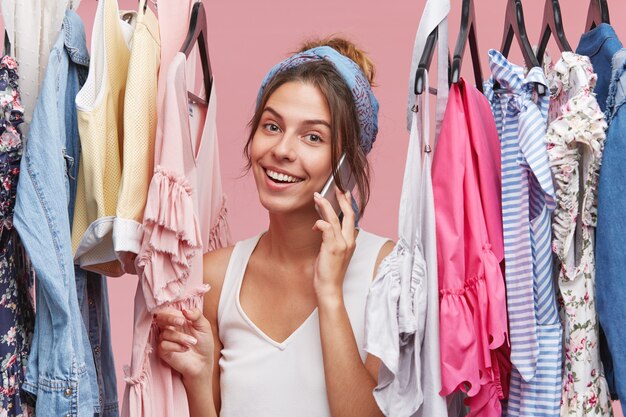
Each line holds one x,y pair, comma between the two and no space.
338,244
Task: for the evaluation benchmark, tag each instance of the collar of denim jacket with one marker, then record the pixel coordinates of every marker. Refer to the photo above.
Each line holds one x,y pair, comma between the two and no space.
591,42
75,38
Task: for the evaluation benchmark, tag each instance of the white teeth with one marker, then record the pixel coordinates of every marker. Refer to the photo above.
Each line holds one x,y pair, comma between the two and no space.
281,177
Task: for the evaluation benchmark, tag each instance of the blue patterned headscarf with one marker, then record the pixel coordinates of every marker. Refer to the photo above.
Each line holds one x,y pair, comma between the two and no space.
364,99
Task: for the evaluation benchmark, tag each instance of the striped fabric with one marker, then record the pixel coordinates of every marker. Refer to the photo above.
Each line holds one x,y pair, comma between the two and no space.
528,199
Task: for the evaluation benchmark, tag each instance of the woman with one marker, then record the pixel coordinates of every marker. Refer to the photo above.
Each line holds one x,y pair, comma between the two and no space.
282,332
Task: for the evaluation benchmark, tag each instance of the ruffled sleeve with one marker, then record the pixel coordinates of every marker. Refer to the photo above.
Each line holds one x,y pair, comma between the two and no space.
581,123
171,238
394,323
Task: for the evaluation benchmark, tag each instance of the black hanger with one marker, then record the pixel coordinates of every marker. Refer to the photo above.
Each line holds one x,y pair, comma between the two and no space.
552,25
598,13
514,26
198,33
7,43
425,60
467,34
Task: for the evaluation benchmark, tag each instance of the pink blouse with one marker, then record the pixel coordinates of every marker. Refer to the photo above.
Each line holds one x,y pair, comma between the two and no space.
473,317
185,217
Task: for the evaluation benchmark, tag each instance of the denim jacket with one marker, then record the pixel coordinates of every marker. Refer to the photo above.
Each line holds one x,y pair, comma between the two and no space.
601,44
611,229
70,370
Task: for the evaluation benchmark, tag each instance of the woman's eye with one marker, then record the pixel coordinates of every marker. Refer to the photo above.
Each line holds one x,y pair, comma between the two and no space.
271,127
314,138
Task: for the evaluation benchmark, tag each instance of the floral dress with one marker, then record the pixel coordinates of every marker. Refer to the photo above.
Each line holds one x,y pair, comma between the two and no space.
17,317
575,138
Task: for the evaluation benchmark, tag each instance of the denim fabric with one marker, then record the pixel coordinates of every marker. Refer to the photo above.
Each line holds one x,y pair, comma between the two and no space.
611,229
600,44
62,375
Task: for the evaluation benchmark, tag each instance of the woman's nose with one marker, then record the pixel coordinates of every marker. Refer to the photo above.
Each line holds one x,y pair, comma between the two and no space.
284,148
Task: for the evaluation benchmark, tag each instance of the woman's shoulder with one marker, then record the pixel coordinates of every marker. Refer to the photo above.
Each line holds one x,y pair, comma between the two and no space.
385,244
215,262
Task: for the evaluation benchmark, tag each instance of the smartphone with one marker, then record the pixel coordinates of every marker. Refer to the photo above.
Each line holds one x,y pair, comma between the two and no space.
347,180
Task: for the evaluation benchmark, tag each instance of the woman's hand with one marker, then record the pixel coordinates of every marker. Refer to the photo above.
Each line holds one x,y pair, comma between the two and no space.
338,243
186,343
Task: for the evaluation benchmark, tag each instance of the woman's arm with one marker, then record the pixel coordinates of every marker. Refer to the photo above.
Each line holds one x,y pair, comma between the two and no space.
349,381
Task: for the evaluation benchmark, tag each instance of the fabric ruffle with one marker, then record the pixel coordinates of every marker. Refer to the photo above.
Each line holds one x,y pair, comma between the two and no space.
219,236
581,123
475,308
171,238
595,401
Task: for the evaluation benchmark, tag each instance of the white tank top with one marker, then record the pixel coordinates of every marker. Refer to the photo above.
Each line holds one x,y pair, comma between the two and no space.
263,378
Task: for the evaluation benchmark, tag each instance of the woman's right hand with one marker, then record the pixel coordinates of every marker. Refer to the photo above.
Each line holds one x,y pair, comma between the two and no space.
186,342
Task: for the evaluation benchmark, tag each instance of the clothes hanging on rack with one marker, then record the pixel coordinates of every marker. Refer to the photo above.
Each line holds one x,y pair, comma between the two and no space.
100,106
611,228
61,374
602,45
402,314
473,323
527,204
140,121
17,316
32,27
575,141
185,217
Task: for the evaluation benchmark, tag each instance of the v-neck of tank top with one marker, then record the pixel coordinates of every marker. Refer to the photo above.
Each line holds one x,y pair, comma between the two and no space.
280,345
194,147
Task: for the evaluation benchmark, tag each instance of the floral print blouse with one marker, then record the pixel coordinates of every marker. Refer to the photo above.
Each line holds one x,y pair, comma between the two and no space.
575,138
17,316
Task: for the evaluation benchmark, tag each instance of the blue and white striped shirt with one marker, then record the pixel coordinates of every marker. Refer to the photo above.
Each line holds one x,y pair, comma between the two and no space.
528,199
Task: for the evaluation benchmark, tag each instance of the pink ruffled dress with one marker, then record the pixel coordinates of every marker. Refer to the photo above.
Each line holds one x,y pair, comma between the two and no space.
185,217
473,317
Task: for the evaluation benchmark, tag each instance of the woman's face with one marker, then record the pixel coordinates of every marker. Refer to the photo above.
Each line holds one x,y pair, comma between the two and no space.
291,148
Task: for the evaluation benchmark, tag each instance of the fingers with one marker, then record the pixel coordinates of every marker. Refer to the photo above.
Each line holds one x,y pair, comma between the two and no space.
170,318
174,336
347,225
196,319
327,211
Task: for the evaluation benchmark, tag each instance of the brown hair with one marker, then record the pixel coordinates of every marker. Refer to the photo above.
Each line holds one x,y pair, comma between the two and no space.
345,127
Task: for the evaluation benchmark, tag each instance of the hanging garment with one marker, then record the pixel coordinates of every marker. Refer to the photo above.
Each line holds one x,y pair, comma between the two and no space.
100,106
600,44
173,28
185,217
402,315
254,367
61,374
17,317
527,203
33,27
140,101
575,140
610,236
472,307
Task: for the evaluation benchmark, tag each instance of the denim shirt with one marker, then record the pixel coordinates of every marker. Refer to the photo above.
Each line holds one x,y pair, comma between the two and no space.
62,375
611,228
600,44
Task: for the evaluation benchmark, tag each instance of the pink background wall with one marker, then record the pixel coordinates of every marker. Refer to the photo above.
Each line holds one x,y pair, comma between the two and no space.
247,38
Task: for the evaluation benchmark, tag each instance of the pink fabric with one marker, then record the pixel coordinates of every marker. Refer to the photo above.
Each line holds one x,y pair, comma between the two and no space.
473,318
185,217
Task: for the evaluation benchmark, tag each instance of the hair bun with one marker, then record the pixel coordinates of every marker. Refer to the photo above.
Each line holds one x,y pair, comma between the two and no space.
348,49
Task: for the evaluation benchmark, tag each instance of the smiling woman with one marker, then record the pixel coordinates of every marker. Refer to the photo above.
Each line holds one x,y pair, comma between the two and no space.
282,331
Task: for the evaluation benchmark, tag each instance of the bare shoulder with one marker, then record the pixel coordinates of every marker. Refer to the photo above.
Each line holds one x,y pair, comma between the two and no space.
215,264
383,252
